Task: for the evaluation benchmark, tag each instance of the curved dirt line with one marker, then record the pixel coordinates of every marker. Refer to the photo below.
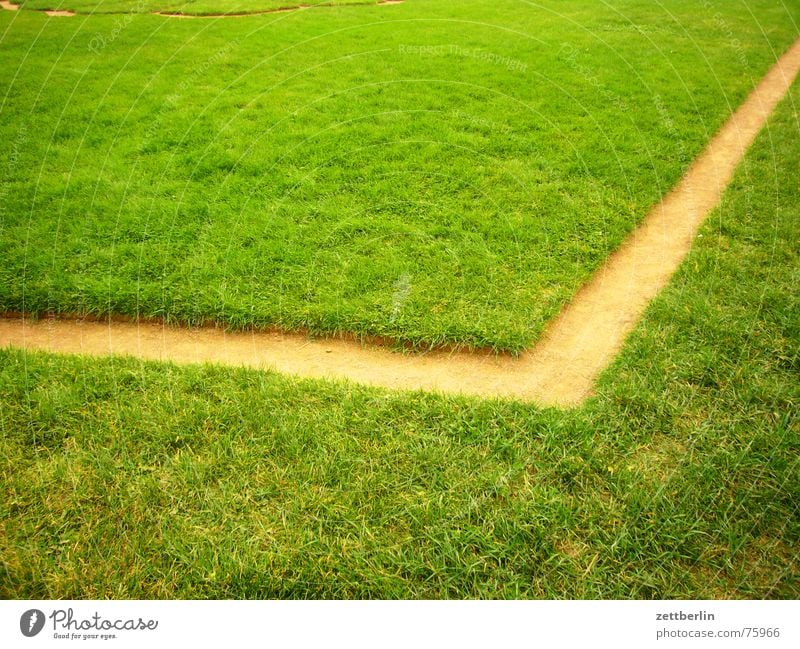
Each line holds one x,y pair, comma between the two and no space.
244,14
560,370
5,4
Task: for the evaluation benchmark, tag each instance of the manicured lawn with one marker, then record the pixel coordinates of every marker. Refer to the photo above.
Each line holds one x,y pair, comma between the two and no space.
681,478
437,171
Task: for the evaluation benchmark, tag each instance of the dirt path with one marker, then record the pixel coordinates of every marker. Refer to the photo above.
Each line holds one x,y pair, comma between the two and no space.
559,371
245,14
6,4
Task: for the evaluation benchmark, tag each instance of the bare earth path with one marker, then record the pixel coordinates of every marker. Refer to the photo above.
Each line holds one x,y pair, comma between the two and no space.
560,370
10,6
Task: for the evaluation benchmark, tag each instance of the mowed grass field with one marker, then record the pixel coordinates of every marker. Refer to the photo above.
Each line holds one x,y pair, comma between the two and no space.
435,172
681,478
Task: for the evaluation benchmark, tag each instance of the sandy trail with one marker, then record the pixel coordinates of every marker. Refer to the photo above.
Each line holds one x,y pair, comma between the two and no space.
245,14
5,4
559,371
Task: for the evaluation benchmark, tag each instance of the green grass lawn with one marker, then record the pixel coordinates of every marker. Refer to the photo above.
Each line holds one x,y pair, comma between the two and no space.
189,7
680,479
439,171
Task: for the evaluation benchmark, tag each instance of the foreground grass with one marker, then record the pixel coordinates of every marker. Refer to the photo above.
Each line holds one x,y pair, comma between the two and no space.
436,172
681,478
188,7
